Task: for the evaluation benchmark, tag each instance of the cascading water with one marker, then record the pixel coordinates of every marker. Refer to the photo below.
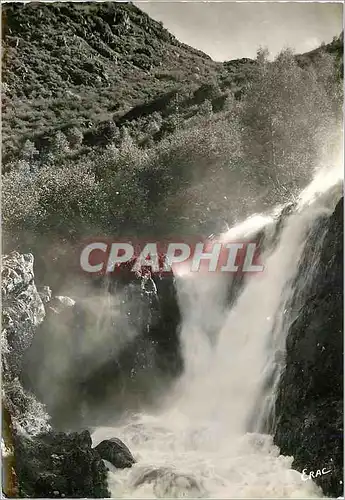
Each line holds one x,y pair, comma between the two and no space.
205,440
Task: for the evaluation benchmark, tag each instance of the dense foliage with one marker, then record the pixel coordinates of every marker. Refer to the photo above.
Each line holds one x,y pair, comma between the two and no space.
196,154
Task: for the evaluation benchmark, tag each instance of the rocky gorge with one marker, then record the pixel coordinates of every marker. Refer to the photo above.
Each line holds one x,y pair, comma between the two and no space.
51,463
140,386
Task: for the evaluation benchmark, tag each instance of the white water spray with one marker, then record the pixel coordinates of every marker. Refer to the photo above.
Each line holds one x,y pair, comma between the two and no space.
198,445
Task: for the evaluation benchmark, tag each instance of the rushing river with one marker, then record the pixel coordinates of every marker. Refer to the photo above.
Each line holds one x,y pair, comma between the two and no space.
207,439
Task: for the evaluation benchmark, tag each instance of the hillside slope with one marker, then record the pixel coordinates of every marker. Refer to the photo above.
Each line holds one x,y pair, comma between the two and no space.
74,64
112,125
86,66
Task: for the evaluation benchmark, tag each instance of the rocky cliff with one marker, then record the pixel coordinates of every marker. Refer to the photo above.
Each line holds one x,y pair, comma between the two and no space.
310,399
38,462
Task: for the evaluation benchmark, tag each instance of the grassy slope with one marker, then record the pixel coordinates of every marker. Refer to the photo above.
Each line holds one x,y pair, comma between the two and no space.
82,65
79,64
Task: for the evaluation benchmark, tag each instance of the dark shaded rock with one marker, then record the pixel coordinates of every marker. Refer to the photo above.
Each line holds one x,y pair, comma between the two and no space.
310,399
116,452
153,357
39,462
59,465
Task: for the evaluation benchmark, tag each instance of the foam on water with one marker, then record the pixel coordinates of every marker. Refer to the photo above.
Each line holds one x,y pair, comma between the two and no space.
198,444
180,458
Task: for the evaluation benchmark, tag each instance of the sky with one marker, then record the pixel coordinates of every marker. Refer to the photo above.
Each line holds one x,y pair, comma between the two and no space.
230,30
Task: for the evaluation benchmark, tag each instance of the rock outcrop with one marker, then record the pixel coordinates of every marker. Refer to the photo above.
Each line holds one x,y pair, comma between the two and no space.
310,400
56,465
42,462
116,452
38,462
109,348
22,310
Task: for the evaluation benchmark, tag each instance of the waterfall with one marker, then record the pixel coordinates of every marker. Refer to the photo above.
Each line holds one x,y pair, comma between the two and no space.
207,439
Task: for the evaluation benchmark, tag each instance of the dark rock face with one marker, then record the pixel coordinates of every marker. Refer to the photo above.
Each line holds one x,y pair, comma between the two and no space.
310,399
60,465
40,462
116,452
23,310
153,357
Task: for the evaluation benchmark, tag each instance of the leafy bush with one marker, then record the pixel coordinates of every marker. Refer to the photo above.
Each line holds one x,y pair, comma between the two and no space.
74,137
289,114
57,198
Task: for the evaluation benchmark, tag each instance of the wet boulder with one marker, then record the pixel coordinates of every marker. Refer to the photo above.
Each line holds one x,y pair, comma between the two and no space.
61,304
116,452
168,483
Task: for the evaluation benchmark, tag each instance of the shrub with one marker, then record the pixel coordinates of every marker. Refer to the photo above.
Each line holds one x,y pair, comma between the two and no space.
74,137
29,153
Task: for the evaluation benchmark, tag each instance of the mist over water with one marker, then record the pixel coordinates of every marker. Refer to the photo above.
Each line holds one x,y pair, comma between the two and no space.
209,435
185,370
206,440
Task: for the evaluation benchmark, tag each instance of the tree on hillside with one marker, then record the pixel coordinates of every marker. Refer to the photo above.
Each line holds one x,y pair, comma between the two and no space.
287,112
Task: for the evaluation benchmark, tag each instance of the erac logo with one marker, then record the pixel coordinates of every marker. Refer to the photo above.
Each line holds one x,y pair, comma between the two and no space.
312,475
